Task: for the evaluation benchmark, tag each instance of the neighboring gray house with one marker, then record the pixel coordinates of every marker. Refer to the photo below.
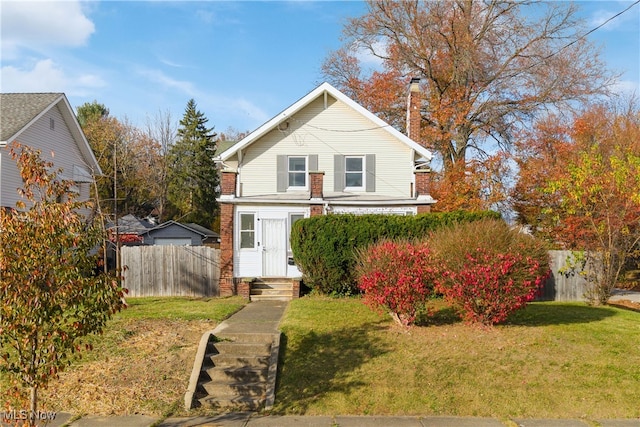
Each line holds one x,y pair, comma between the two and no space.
46,122
175,233
130,229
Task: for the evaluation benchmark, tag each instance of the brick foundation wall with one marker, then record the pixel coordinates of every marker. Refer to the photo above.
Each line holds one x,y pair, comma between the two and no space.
244,289
295,291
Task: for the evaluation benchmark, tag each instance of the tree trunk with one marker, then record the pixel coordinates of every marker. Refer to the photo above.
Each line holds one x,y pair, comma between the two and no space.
33,406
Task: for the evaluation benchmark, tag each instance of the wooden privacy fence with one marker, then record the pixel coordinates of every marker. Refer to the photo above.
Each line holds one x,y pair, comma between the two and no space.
192,271
565,283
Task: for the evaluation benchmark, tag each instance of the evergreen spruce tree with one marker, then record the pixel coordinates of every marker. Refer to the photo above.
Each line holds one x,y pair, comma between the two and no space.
193,177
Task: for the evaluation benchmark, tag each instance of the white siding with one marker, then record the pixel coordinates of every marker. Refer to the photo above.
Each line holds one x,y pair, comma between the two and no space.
248,262
56,145
326,132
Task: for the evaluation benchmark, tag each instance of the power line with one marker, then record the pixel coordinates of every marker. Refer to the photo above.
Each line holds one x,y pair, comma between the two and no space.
591,31
341,130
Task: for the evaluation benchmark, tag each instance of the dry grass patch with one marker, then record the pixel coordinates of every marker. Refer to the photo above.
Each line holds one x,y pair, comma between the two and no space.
142,362
146,373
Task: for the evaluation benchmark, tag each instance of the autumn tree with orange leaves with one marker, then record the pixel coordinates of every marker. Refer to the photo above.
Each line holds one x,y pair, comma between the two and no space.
486,67
138,167
579,187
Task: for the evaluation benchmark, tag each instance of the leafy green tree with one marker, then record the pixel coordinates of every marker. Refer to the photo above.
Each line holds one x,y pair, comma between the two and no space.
193,178
90,111
51,293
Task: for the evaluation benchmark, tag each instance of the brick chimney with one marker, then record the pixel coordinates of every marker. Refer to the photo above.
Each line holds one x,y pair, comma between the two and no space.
228,183
413,111
316,179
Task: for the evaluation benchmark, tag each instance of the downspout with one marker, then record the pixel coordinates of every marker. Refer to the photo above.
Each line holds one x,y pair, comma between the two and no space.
239,169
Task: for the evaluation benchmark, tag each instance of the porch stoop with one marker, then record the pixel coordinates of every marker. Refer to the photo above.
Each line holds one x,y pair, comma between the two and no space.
274,289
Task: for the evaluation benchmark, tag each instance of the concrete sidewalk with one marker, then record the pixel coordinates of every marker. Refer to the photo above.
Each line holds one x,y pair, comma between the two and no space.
250,419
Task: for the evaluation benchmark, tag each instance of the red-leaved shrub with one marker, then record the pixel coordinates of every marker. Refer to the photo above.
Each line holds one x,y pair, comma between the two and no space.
397,276
487,289
489,270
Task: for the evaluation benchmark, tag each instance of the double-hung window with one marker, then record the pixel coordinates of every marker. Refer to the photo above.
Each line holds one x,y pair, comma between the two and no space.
293,171
247,231
297,171
354,175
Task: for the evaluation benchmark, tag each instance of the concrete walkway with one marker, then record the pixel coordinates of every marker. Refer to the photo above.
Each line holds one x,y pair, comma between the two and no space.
250,419
623,294
265,316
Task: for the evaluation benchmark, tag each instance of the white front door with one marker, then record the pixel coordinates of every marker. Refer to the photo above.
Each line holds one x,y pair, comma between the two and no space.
274,247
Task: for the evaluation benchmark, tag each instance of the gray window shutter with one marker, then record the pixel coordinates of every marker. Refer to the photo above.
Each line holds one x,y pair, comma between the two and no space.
313,163
338,172
370,165
283,174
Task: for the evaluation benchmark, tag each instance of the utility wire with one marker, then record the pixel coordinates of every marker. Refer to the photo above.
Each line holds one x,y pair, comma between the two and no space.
591,31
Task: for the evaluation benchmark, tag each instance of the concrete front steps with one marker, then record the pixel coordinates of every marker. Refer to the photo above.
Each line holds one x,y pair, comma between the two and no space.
272,289
238,372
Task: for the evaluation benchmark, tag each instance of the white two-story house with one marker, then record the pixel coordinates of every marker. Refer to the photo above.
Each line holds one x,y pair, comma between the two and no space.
325,154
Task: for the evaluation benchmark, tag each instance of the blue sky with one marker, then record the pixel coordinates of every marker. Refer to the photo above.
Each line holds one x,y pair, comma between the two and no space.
243,62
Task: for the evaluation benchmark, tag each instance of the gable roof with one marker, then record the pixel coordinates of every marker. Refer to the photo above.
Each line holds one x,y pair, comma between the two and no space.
131,224
198,229
324,88
18,111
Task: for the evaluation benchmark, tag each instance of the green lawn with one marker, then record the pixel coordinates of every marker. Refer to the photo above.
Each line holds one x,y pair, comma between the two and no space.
338,357
555,360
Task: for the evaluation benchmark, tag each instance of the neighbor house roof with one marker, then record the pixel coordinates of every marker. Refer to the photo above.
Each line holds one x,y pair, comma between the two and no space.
20,110
196,228
324,88
131,224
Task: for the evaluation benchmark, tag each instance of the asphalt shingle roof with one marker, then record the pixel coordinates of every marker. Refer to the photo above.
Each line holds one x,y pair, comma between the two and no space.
18,109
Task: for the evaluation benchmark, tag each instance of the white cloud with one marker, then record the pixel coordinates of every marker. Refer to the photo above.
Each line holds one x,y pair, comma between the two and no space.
47,76
249,109
367,57
627,88
34,25
161,78
600,16
170,63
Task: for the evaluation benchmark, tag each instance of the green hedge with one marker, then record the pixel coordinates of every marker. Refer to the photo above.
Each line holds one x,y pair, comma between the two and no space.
324,246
